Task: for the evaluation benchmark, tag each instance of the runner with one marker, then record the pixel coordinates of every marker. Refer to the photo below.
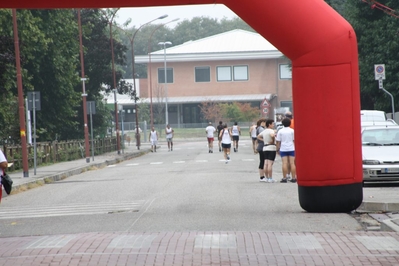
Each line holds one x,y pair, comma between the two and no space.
210,130
220,128
169,137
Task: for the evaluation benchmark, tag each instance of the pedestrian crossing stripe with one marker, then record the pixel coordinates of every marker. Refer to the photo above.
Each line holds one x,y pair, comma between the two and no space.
69,210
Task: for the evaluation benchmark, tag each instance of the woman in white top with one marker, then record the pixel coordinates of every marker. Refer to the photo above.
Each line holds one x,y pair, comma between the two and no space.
226,136
153,137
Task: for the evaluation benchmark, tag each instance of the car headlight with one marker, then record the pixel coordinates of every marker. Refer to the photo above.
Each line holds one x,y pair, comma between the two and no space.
373,162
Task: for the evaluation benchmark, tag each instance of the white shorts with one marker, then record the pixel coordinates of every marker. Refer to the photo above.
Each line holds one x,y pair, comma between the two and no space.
154,142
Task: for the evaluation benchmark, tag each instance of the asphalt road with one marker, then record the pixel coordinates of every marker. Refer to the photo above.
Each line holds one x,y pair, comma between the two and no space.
187,189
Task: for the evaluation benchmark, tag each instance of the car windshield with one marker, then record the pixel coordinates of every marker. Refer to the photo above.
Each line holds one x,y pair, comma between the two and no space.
381,136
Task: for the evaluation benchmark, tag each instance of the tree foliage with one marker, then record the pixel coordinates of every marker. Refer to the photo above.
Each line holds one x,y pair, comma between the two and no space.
378,43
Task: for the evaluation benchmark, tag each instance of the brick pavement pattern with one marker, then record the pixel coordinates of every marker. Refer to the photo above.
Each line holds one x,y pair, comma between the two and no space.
204,248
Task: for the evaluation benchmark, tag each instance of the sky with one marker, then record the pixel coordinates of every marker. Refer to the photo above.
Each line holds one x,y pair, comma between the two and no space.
141,15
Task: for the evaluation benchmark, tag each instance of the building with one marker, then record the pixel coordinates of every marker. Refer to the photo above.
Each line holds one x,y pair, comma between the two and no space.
235,66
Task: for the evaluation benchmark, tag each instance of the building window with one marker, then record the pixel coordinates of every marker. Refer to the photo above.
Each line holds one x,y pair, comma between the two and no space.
161,75
285,71
223,73
202,74
240,72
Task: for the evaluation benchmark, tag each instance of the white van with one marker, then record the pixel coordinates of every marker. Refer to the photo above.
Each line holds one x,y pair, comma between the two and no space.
372,116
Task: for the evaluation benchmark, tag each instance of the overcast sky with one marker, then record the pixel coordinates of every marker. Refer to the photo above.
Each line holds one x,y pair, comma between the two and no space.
141,15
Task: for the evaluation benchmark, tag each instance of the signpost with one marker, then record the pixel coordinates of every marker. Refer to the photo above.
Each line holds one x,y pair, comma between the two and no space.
33,105
379,73
91,108
265,107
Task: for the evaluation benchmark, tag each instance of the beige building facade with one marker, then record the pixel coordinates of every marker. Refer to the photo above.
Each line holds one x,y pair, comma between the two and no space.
235,66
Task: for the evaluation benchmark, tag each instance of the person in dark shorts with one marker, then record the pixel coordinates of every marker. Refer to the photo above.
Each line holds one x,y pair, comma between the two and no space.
236,132
225,135
220,128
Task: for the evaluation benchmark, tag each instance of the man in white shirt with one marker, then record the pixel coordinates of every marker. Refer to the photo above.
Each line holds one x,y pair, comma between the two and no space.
210,130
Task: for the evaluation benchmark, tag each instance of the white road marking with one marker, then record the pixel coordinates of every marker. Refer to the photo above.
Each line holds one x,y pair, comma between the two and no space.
112,165
68,210
248,160
132,164
156,163
179,162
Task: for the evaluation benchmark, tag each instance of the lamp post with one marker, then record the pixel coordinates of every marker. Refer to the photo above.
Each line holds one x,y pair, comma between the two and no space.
84,95
149,65
133,76
22,125
110,20
166,81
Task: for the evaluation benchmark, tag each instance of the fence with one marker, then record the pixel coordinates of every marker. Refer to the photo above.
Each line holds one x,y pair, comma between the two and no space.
53,152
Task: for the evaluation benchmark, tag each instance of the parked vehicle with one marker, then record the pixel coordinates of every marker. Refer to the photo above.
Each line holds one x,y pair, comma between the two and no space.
387,123
380,153
372,115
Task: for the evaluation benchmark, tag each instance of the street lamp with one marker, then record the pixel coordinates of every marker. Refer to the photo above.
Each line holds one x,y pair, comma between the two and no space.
133,76
166,81
84,95
149,65
110,20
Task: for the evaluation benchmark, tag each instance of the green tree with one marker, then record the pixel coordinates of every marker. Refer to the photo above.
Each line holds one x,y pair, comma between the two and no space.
378,43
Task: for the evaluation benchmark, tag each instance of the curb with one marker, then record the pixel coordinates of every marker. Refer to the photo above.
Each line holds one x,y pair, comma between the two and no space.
389,225
368,206
62,175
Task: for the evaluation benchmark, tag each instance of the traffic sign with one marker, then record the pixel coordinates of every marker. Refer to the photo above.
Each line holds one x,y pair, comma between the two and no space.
265,103
265,111
379,71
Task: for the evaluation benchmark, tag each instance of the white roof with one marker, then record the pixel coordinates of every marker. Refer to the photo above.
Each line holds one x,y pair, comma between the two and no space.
126,99
235,44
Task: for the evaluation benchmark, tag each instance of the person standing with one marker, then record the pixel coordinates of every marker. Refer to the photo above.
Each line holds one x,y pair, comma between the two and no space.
226,136
153,137
169,137
288,115
285,145
236,132
261,125
269,149
253,135
220,128
210,130
3,167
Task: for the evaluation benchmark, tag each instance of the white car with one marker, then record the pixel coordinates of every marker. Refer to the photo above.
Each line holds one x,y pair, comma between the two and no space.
380,153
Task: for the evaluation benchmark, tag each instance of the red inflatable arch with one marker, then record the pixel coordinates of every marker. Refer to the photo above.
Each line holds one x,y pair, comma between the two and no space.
323,50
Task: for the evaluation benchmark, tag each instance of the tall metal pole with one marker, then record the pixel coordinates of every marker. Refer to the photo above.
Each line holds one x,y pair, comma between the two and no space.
149,66
166,81
20,97
84,95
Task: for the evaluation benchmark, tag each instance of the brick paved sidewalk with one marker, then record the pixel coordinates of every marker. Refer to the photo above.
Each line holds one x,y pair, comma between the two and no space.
203,248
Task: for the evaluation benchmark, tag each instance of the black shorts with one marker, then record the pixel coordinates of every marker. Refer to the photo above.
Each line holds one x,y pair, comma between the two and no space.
226,146
236,138
269,155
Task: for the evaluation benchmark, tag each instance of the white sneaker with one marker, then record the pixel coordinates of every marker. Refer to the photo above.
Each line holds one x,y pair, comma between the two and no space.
263,180
271,180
